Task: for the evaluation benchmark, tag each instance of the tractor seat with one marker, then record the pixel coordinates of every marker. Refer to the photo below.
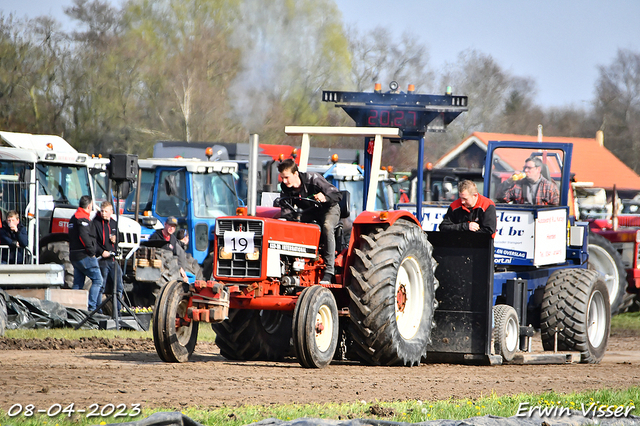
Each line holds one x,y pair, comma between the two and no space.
345,204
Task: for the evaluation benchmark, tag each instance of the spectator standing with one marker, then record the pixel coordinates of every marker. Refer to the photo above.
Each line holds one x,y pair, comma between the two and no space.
82,251
106,228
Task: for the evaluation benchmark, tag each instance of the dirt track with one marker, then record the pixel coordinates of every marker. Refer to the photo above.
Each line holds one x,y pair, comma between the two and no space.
99,371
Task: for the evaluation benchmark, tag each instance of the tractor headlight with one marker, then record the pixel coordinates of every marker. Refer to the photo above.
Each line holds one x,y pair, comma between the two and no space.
223,254
253,256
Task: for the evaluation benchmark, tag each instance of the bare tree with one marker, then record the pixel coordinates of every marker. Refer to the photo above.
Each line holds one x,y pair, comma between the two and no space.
32,70
378,58
617,106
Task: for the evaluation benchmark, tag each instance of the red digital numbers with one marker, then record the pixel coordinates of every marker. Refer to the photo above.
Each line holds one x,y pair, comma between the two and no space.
392,118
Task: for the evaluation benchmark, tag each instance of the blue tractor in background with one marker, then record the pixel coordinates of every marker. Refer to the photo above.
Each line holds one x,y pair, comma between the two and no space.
195,192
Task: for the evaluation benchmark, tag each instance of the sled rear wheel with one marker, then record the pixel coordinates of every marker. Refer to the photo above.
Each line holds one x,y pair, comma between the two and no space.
576,306
506,330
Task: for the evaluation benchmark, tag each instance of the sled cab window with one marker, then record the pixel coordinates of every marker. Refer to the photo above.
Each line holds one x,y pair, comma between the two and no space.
510,165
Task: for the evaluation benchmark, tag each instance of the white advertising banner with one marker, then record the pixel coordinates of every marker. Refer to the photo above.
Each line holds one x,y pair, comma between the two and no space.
431,217
514,242
551,237
520,239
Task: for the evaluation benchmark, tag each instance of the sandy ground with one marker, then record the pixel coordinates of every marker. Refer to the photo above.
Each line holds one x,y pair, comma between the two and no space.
101,371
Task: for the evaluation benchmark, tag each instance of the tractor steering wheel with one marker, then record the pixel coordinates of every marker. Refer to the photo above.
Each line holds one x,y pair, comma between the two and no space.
293,203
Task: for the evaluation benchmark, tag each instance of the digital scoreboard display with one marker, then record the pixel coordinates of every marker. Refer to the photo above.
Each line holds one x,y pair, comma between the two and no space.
412,113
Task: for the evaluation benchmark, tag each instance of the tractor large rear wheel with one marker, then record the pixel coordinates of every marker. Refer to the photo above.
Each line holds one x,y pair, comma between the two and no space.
250,334
576,306
392,295
604,258
174,338
58,253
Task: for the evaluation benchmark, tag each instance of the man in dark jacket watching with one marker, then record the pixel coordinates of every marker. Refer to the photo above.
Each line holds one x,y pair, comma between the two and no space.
168,234
82,251
106,229
471,212
313,185
14,235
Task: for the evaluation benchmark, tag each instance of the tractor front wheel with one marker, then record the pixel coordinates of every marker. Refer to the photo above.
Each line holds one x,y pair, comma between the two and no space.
392,295
315,327
174,337
575,306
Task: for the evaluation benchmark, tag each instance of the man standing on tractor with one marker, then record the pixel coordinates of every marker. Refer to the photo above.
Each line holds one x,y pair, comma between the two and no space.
530,187
313,186
471,212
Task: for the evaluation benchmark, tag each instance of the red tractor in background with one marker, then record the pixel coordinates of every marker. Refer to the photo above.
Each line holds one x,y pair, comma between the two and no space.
614,243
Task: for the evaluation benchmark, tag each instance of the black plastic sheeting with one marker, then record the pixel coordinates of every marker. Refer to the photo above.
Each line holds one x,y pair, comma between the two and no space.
573,418
29,312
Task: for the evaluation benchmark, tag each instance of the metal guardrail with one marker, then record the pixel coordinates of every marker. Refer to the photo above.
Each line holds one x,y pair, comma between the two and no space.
16,255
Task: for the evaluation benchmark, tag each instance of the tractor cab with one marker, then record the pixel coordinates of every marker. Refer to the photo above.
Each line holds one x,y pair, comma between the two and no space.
196,192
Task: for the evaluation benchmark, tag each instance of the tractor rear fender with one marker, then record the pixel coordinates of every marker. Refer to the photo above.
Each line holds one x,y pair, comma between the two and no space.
54,238
367,221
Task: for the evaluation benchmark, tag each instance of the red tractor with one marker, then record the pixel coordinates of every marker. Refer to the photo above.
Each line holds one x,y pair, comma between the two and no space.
265,291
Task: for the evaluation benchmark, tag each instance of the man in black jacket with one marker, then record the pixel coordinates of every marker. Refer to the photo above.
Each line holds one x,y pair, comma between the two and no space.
168,234
314,186
106,229
14,235
471,212
82,251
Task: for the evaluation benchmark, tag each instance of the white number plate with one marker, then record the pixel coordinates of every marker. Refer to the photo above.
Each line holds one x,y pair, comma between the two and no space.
238,242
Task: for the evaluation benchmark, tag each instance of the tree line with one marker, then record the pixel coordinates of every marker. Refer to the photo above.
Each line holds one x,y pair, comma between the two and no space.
219,70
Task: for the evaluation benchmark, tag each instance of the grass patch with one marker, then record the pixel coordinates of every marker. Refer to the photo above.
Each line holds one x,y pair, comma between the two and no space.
626,321
401,411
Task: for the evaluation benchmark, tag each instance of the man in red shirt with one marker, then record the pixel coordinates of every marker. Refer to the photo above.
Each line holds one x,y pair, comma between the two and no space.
471,212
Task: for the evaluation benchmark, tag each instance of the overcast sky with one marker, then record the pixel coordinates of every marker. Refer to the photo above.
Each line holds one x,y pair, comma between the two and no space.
559,44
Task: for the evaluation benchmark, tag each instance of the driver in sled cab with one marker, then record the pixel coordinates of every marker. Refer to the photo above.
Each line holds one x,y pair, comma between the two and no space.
313,186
